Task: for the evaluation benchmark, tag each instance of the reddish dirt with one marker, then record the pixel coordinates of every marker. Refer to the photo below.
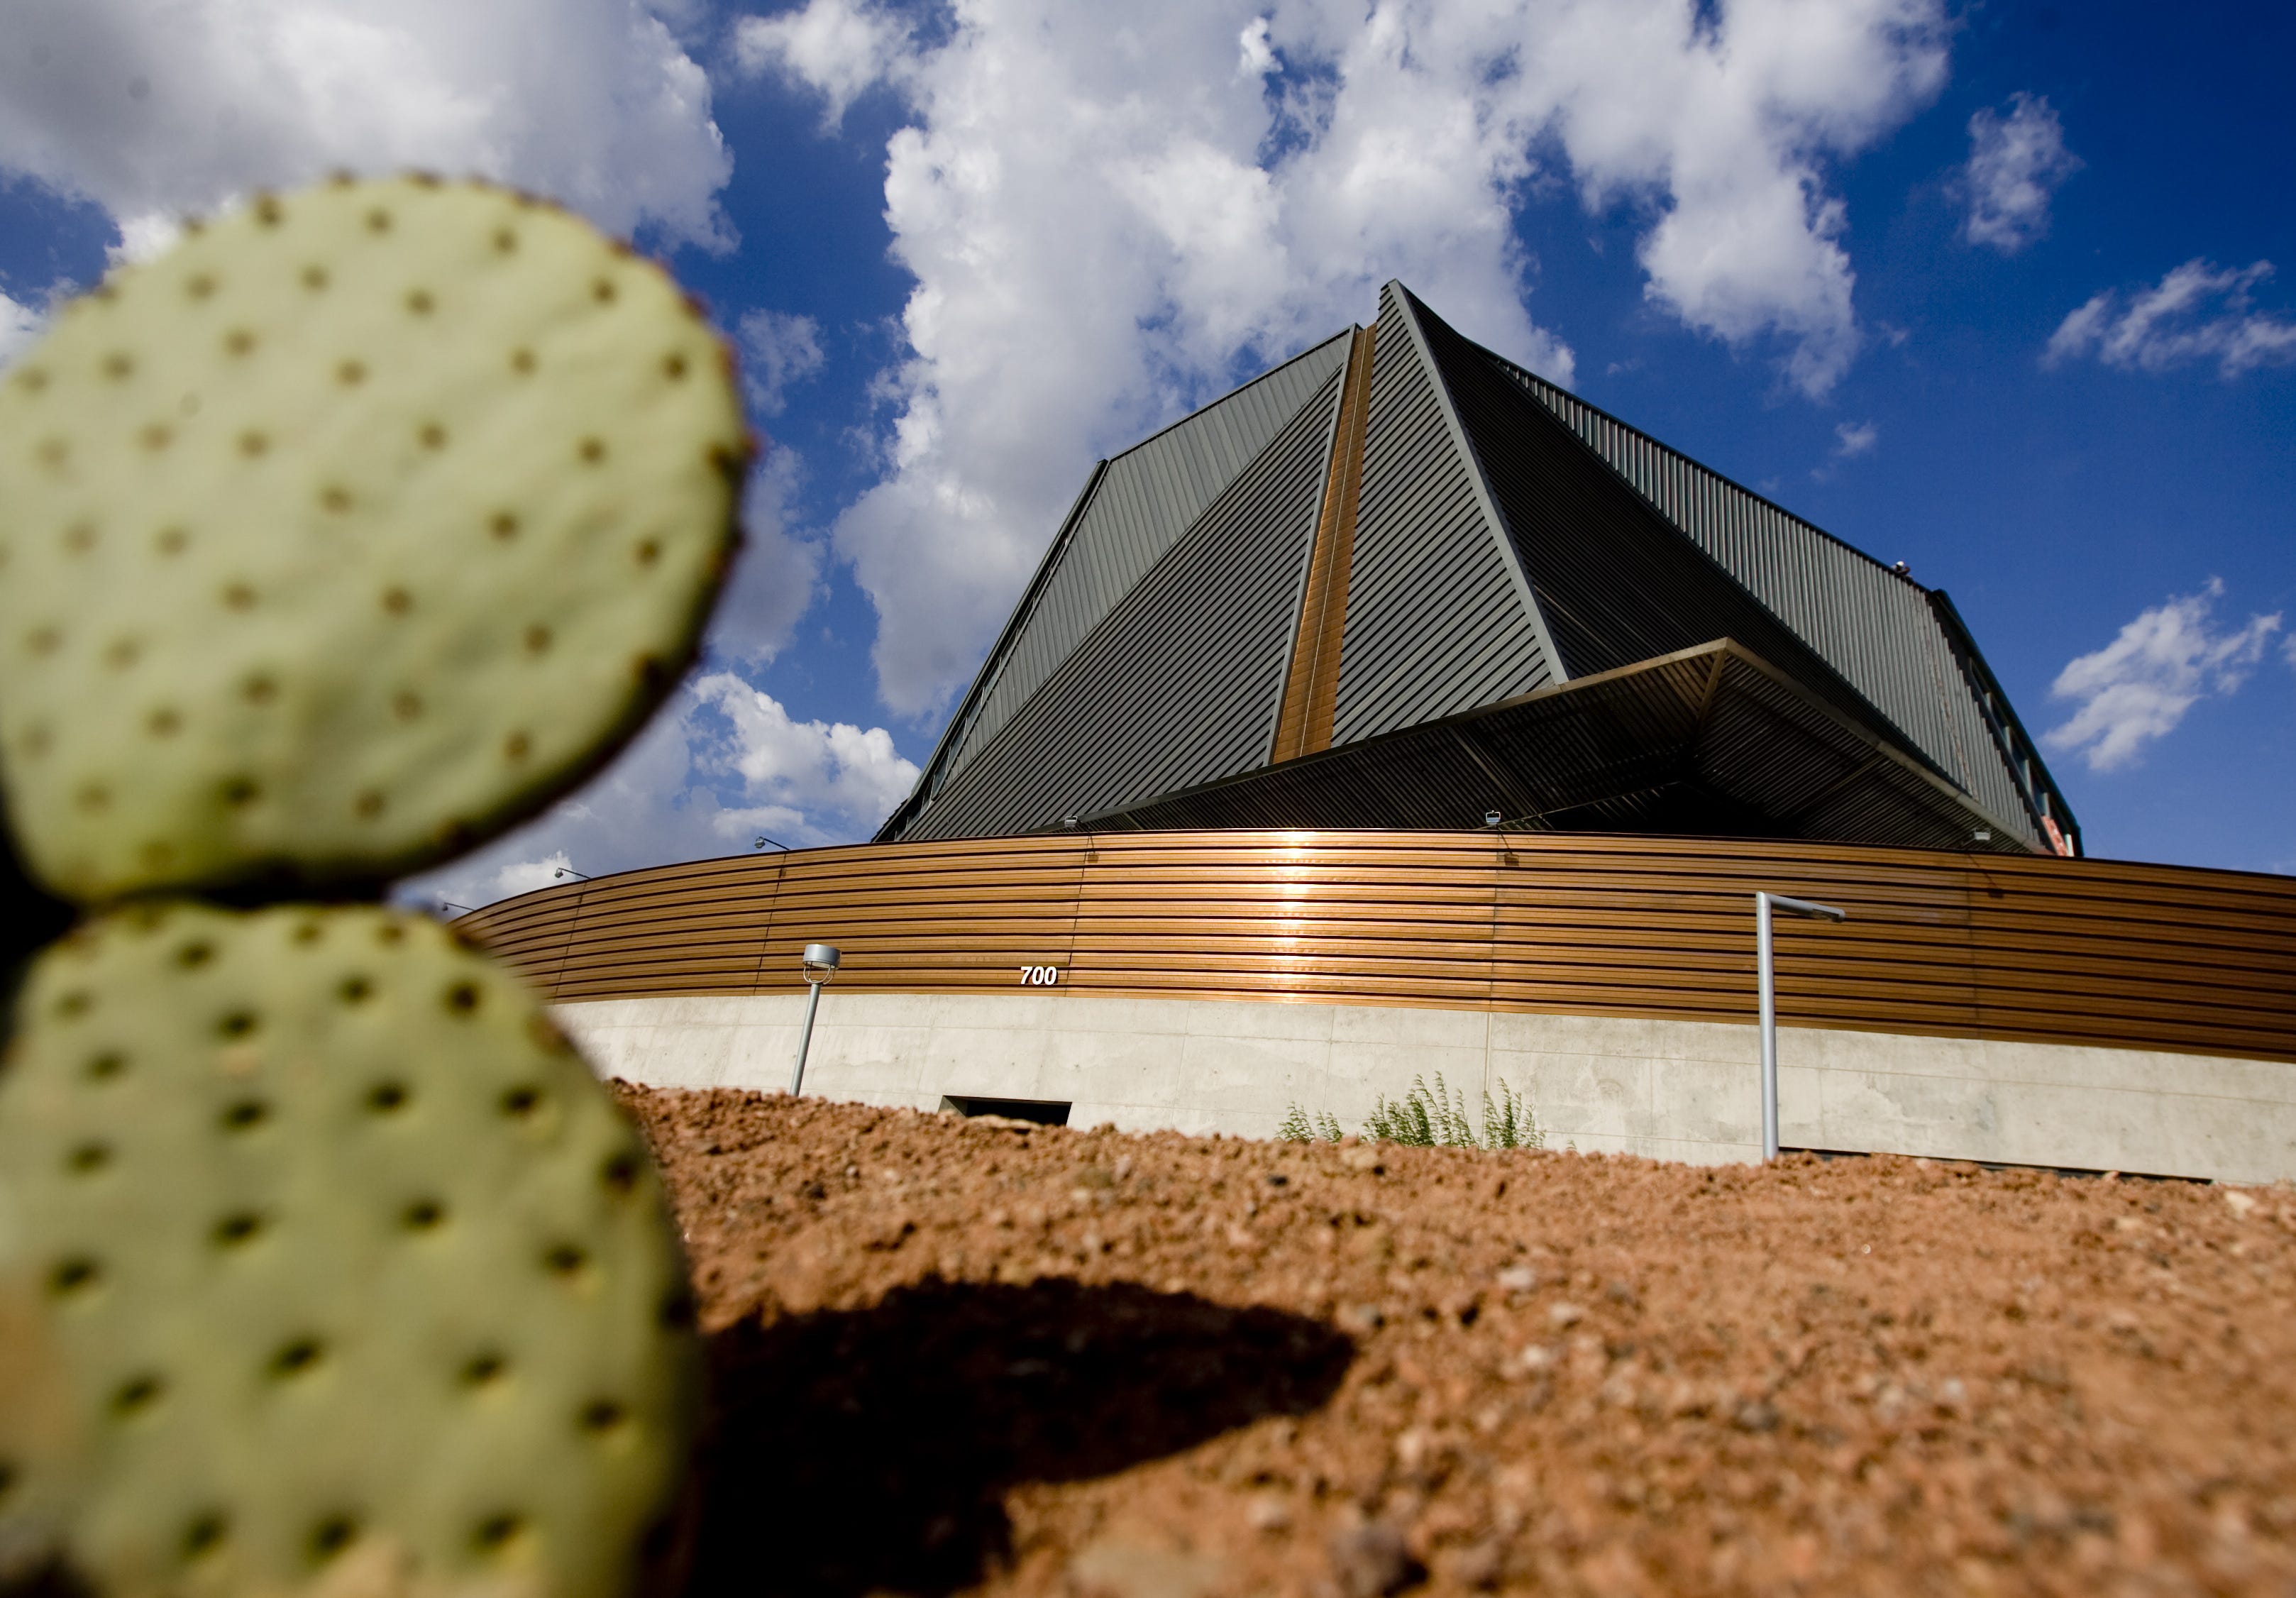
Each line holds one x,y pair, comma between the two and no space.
951,1353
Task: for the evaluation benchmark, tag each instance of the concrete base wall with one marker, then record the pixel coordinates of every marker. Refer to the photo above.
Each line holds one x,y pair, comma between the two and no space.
1675,1090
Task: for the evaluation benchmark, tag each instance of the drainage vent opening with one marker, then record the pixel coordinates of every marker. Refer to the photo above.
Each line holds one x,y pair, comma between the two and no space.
1044,1112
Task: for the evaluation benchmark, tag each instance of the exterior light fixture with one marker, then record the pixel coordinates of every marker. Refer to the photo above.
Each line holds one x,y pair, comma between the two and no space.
1982,835
1067,821
820,963
1764,903
451,905
778,843
567,871
1491,818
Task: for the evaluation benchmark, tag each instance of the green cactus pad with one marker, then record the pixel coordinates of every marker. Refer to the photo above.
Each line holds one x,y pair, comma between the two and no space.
325,1266
357,527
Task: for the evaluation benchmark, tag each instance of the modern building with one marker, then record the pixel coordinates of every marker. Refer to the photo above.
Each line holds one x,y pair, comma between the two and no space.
1400,581
1402,714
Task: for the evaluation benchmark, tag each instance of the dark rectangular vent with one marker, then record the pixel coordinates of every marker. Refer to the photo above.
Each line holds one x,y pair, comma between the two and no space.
1044,1112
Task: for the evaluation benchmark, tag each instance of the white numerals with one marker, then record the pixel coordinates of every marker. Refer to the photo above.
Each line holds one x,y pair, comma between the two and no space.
1039,976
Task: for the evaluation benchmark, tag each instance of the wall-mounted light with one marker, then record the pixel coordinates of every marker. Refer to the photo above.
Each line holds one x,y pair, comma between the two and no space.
567,871
778,843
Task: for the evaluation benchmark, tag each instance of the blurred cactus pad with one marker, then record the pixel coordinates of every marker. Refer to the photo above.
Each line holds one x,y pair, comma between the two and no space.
324,1265
354,528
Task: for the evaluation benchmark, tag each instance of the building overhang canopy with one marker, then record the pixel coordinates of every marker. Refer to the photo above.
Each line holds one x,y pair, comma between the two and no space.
1687,738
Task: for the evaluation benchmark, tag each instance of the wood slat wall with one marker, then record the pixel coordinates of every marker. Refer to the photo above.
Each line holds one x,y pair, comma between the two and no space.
2068,951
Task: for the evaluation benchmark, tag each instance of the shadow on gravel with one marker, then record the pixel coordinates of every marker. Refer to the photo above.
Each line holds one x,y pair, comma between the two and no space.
868,1450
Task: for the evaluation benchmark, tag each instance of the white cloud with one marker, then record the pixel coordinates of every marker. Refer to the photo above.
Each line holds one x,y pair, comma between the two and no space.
2197,312
778,350
840,50
19,325
153,108
2139,686
2015,164
777,573
1854,439
1110,218
720,764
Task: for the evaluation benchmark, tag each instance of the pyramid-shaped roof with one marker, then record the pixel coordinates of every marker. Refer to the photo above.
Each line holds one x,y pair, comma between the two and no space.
1400,581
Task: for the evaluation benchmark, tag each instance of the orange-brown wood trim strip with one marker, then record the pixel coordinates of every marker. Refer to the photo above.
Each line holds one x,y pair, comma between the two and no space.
1944,945
1311,688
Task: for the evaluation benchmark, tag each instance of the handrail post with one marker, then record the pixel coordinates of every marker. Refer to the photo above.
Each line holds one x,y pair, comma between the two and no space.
805,1039
819,963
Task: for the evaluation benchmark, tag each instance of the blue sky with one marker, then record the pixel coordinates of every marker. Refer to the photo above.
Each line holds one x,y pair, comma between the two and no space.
1984,288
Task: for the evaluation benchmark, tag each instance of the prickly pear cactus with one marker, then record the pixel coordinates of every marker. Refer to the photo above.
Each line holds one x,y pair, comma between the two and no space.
325,1266
357,526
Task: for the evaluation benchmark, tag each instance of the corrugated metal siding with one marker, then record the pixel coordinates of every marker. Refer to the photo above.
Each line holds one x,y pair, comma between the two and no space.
1180,684
1437,622
1873,625
2028,948
1617,582
1148,496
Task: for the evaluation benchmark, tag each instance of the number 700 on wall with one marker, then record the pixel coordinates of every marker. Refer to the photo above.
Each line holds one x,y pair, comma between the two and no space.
1040,976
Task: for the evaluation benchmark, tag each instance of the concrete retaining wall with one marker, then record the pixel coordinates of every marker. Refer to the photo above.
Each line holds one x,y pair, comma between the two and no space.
1675,1090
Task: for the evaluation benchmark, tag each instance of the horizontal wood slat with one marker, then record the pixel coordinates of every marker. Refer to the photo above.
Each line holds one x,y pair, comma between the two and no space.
2039,949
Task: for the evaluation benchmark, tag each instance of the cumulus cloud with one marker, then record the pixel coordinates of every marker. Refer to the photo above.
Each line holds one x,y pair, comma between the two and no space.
152,108
778,350
2198,311
840,50
1854,439
2139,686
721,763
778,572
1111,220
2016,163
19,325
801,771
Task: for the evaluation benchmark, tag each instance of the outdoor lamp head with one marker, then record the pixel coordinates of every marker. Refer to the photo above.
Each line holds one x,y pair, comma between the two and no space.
820,962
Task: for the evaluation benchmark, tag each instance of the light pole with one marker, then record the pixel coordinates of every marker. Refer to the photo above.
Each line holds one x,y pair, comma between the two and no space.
820,966
1764,903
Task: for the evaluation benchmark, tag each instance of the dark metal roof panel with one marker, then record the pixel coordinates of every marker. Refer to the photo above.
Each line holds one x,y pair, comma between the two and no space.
1180,684
1437,620
1146,498
1873,626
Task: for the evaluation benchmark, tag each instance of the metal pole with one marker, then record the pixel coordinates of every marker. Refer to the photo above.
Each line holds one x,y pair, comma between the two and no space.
805,1039
1763,902
1769,1027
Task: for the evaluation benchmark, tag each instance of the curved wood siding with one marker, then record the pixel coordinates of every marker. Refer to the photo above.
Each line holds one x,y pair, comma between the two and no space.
2065,951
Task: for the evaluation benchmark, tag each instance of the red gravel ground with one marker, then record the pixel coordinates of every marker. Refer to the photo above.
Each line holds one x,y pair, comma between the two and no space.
954,1354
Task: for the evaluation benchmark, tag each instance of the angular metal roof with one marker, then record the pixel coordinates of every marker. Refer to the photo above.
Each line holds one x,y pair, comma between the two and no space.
1134,508
1401,581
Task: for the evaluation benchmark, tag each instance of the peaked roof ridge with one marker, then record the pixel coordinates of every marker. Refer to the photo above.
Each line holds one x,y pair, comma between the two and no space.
1440,613
1186,668
1242,388
1566,582
1988,719
985,706
1533,381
